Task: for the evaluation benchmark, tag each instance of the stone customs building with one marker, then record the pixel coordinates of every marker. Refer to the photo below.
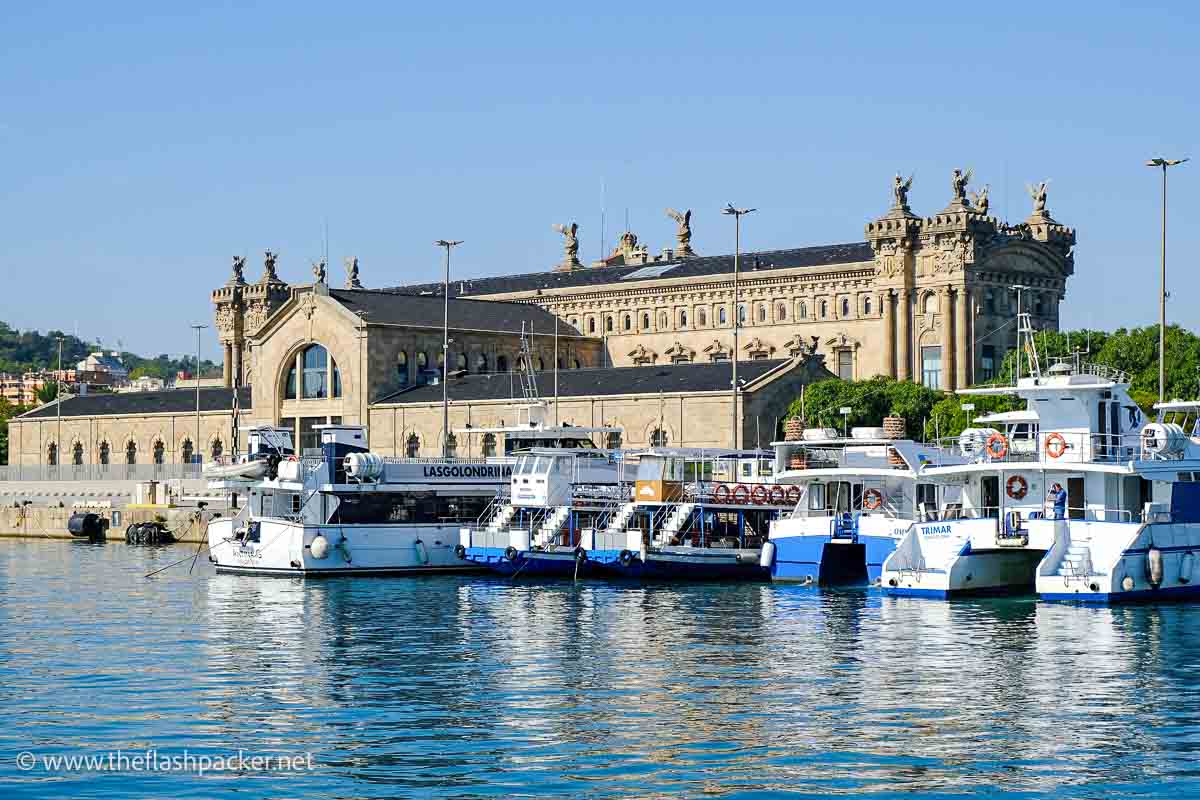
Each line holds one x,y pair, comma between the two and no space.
641,341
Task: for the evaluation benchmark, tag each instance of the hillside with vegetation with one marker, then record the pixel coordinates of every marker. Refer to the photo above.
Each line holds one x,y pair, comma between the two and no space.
25,351
930,413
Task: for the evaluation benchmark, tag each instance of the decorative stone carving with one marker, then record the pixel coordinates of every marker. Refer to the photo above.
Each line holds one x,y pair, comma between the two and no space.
958,184
352,281
980,200
642,355
239,268
717,351
678,352
1038,194
570,233
900,189
757,348
269,274
683,233
800,346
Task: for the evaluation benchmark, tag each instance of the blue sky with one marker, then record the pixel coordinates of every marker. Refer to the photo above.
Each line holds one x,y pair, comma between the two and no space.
145,144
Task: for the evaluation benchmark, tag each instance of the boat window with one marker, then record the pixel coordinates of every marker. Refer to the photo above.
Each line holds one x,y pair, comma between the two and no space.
746,469
816,497
927,495
408,507
837,496
650,469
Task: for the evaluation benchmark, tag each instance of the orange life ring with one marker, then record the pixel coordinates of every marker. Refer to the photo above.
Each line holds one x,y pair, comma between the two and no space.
721,494
872,499
759,495
793,494
1056,445
776,495
1017,487
740,494
996,446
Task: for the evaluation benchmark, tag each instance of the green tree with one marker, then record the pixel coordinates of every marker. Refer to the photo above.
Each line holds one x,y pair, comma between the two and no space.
47,392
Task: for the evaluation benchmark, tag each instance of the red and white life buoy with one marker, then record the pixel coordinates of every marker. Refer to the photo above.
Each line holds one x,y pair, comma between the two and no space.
872,499
1017,487
740,493
996,446
793,494
776,495
1056,445
721,494
759,495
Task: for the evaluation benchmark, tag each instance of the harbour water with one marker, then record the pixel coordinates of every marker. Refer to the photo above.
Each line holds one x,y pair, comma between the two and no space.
476,687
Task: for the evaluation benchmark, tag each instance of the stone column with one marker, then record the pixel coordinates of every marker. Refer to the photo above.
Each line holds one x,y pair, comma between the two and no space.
889,335
962,335
904,364
947,309
237,365
228,366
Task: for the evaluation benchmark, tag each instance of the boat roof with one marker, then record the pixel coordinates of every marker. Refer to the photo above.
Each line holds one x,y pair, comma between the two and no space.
1178,405
1025,415
551,430
704,452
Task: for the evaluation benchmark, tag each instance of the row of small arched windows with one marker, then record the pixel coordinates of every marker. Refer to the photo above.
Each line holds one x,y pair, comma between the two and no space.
462,362
157,452
761,315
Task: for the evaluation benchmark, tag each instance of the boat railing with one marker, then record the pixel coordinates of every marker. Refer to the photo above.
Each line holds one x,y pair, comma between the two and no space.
1101,371
1048,447
435,460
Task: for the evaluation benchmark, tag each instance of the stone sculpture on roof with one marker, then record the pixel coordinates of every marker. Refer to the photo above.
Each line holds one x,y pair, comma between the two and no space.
570,234
352,281
683,233
318,269
239,268
900,192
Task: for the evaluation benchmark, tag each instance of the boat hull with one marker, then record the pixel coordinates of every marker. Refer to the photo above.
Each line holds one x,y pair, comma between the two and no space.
830,562
533,563
700,564
282,547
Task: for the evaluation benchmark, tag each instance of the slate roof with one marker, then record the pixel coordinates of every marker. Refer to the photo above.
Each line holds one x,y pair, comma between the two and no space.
667,378
168,401
406,308
696,267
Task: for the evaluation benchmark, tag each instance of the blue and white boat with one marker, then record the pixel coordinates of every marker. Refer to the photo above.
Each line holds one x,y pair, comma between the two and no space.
695,514
857,496
1105,508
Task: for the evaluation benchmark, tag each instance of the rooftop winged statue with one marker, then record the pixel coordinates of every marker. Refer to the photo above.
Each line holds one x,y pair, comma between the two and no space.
958,182
239,268
683,233
900,191
318,269
980,200
1038,193
352,280
269,266
570,241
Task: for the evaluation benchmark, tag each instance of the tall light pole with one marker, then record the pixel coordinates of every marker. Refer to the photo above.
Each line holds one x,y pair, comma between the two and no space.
196,444
448,244
58,405
737,214
1163,163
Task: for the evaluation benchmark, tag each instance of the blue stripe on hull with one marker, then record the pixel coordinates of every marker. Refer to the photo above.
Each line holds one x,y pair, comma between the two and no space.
798,557
1174,593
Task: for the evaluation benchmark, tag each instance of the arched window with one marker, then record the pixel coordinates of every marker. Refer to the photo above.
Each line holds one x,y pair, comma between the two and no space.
645,322
402,368
575,322
989,301
701,317
781,313
591,324
741,315
867,306
762,313
481,363
460,361
159,451
501,363
627,323
217,450
658,438
412,446
1038,307
802,313
575,364
612,440
721,317
52,454
489,445
337,379
422,361
931,303
662,320
77,454
315,363
131,452
105,451
845,308
683,319
608,325
824,309
186,451
451,446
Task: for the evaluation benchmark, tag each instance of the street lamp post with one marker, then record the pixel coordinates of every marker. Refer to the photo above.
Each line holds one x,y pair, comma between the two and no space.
448,244
58,409
1163,163
196,445
737,214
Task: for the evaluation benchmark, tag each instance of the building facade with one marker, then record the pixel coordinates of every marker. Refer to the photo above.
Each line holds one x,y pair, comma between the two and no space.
925,298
